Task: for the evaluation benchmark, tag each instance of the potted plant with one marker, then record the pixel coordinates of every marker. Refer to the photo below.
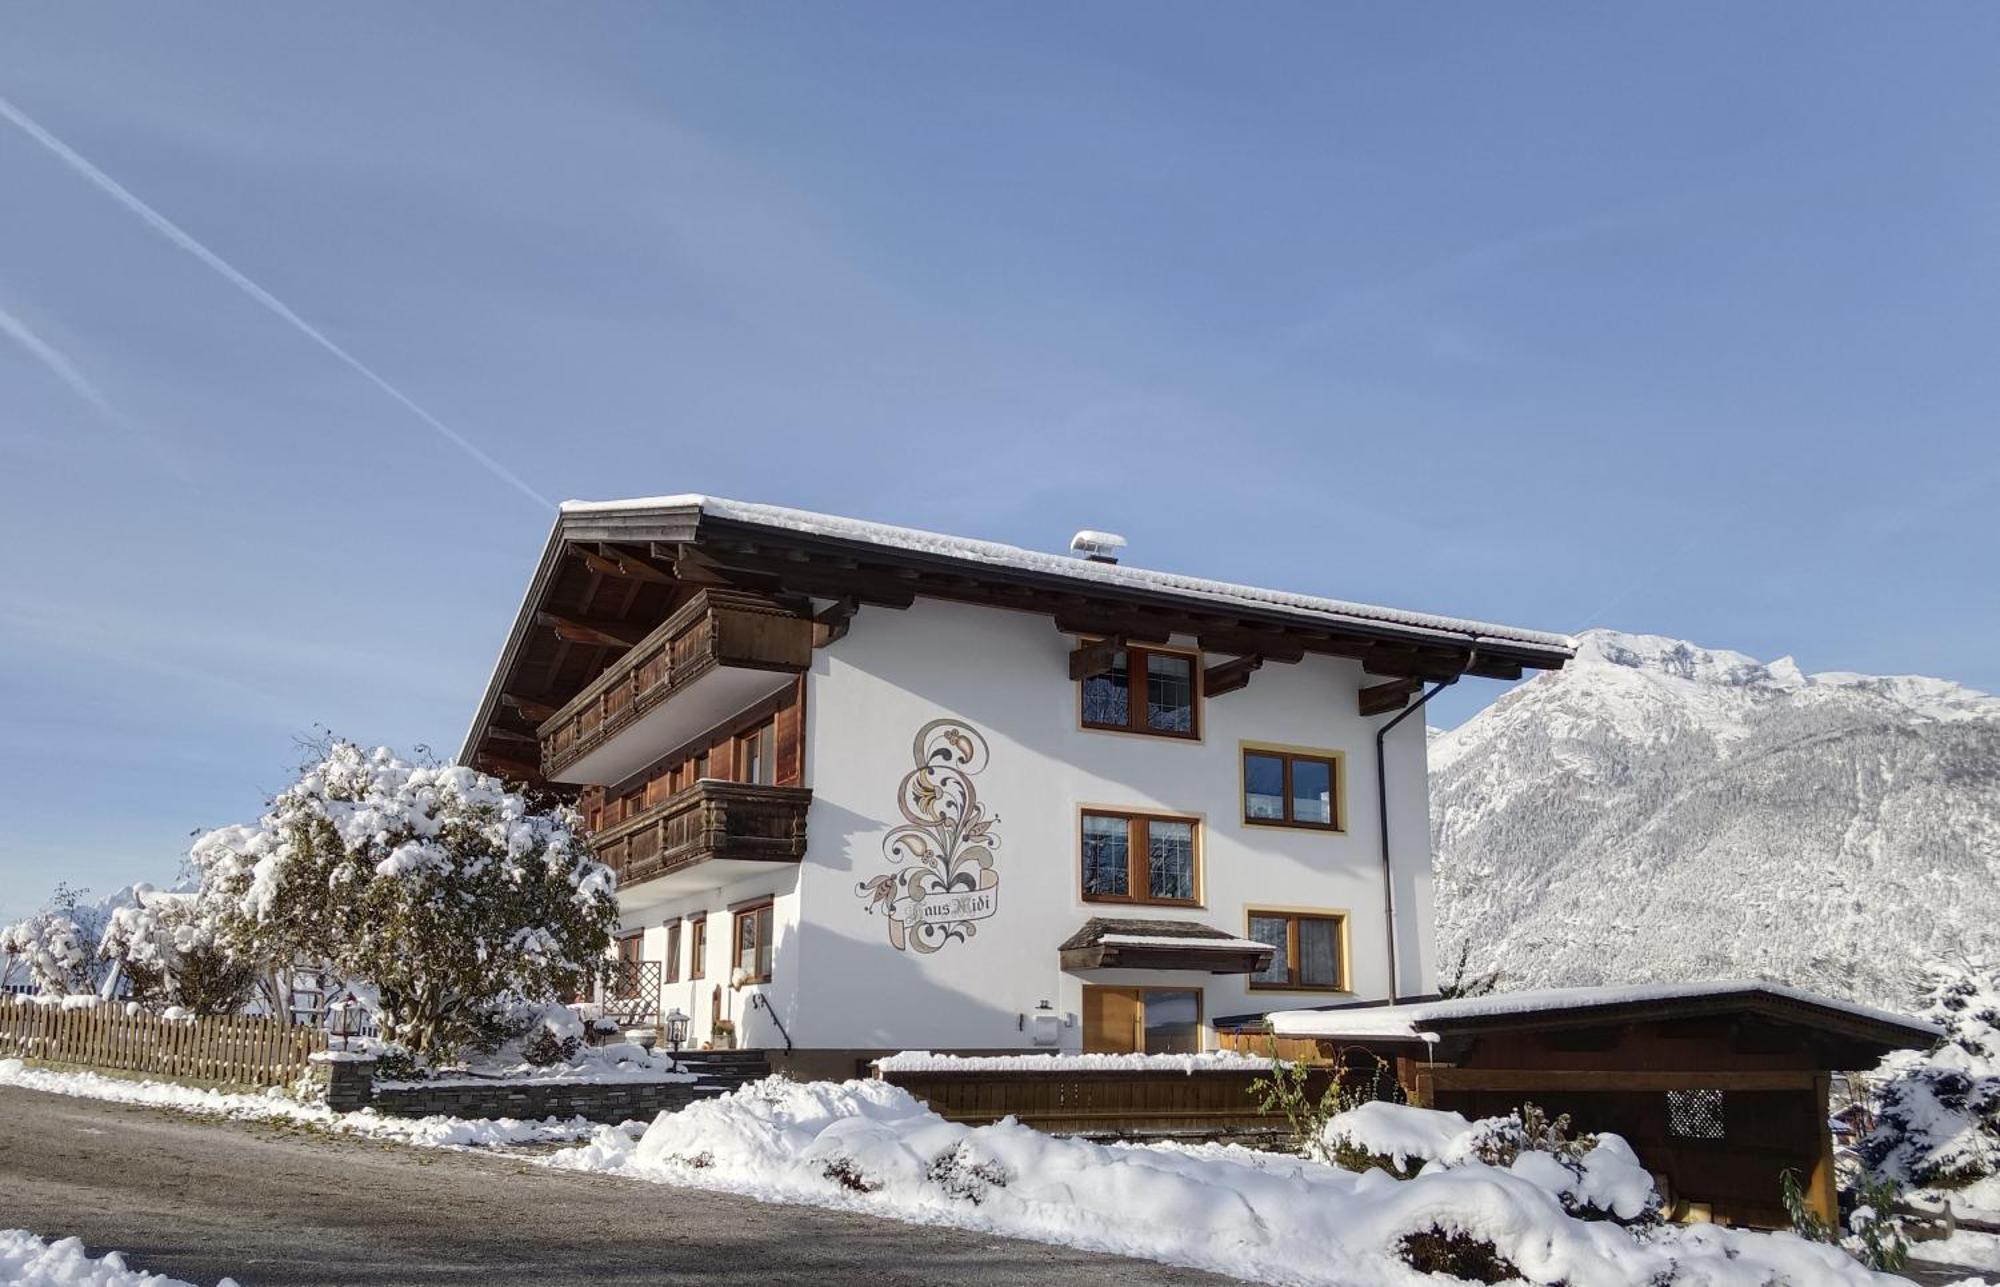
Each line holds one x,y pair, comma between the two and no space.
723,1033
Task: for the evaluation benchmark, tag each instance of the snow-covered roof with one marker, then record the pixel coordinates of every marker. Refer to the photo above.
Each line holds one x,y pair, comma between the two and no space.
1417,1021
696,518
1198,942
917,541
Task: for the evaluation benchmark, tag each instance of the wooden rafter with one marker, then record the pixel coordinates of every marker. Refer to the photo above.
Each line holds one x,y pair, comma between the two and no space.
599,632
1228,676
831,623
610,560
531,710
1380,699
1095,658
505,766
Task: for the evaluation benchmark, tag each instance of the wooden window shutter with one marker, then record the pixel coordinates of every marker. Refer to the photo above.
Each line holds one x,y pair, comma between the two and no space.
789,727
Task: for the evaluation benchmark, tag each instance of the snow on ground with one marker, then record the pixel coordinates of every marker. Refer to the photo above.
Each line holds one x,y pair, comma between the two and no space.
275,1105
28,1261
923,1061
868,1146
1965,1248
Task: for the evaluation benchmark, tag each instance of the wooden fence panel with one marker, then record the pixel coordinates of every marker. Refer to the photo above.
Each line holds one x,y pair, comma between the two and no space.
1101,1103
237,1050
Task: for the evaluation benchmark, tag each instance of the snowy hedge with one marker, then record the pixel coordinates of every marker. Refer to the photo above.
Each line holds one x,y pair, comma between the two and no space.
454,896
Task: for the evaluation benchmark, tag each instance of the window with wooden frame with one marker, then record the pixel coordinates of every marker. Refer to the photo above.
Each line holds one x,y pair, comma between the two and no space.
1309,950
753,944
1285,786
757,755
698,947
1140,858
1145,690
673,970
631,950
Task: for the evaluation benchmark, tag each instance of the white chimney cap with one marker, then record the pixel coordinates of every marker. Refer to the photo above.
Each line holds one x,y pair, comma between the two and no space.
1098,547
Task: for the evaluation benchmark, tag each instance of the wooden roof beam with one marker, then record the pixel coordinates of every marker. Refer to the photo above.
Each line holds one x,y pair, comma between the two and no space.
1380,699
508,768
609,560
531,710
1093,659
830,623
601,633
1228,676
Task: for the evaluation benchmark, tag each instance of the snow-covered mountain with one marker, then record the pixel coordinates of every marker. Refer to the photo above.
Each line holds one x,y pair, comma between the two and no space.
1658,811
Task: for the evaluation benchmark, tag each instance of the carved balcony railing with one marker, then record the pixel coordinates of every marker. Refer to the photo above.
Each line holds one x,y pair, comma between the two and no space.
707,821
716,628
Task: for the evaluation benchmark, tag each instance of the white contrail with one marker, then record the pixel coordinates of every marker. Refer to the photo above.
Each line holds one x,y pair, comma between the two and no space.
172,232
58,365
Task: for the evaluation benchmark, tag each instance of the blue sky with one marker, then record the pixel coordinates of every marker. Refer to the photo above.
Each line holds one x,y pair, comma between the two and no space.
1561,315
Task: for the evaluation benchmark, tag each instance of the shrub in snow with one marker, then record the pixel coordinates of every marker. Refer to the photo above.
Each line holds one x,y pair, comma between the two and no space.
1937,1119
52,948
451,894
1595,1177
546,1035
1285,1090
171,951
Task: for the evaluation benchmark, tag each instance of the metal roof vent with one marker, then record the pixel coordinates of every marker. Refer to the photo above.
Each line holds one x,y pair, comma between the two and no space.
1098,547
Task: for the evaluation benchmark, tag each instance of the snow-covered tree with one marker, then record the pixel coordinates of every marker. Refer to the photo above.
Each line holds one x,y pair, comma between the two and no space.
172,951
448,892
53,950
1938,1113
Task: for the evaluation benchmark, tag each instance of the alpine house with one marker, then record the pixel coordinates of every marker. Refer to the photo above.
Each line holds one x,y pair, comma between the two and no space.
870,789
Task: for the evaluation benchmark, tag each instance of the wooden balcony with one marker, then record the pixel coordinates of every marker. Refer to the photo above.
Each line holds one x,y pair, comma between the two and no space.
708,824
716,654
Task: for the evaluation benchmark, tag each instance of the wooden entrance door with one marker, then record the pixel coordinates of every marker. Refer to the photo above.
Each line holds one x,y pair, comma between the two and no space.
1150,1021
1111,1021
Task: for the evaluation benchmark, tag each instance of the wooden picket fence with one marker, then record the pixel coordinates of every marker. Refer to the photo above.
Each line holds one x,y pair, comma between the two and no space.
236,1050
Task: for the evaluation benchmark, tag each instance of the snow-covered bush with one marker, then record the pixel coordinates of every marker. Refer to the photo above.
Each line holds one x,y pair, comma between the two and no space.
451,894
1596,1177
1937,1120
171,949
52,948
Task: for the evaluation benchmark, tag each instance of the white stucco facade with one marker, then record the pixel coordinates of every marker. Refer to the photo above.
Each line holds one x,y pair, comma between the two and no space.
838,982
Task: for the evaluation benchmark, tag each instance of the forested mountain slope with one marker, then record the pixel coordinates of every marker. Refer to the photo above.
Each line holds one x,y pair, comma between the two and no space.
1661,811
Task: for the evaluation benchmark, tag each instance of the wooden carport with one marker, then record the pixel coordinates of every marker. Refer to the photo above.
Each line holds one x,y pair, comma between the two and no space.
1720,1087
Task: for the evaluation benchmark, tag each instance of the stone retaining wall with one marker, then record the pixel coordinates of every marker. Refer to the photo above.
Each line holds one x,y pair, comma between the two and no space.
612,1102
349,1084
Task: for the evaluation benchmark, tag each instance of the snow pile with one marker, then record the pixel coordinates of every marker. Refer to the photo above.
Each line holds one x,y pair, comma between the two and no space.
923,1061
1659,811
1938,1113
869,1146
28,1261
274,1105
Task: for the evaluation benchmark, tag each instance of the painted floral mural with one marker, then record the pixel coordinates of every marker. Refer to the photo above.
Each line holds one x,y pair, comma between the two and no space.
944,883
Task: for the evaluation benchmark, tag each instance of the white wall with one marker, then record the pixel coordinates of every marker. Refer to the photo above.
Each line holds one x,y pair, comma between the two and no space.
838,981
